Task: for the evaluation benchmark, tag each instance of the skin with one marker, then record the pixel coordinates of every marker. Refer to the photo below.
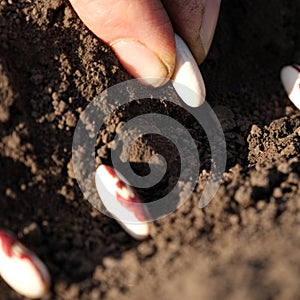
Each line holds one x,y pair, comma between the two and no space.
141,32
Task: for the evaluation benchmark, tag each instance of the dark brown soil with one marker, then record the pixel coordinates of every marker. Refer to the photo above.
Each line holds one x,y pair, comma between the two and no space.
243,245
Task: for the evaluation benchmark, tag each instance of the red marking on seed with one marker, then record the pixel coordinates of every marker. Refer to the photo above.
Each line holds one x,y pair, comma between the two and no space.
28,256
129,203
7,241
297,68
140,214
121,184
111,171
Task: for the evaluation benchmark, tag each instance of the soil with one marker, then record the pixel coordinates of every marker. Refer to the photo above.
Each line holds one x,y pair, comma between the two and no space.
243,245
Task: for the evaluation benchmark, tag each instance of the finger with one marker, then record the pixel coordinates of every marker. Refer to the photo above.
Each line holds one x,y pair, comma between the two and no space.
195,21
139,32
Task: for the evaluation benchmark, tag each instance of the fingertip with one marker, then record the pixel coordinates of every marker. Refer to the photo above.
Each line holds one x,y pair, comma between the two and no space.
139,32
143,63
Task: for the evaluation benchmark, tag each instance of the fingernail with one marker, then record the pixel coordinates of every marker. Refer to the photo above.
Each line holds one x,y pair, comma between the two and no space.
141,62
209,23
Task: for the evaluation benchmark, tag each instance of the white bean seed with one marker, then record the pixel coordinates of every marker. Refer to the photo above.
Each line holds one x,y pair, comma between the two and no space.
22,270
187,79
290,77
122,201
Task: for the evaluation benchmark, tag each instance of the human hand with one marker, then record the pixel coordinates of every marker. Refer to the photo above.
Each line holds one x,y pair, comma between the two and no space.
140,32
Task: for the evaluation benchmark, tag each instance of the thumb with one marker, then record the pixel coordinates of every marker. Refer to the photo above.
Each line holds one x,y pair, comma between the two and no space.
138,31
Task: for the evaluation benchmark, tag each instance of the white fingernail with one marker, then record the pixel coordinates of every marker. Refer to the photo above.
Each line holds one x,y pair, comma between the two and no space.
21,268
123,202
187,79
290,77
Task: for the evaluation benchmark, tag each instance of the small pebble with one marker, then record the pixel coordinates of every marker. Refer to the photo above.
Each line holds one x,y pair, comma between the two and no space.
243,196
277,193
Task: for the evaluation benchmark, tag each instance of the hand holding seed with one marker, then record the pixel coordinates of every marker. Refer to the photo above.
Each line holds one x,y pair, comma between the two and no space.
155,40
141,32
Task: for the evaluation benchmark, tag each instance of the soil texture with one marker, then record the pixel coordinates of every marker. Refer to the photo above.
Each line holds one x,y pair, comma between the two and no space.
243,245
